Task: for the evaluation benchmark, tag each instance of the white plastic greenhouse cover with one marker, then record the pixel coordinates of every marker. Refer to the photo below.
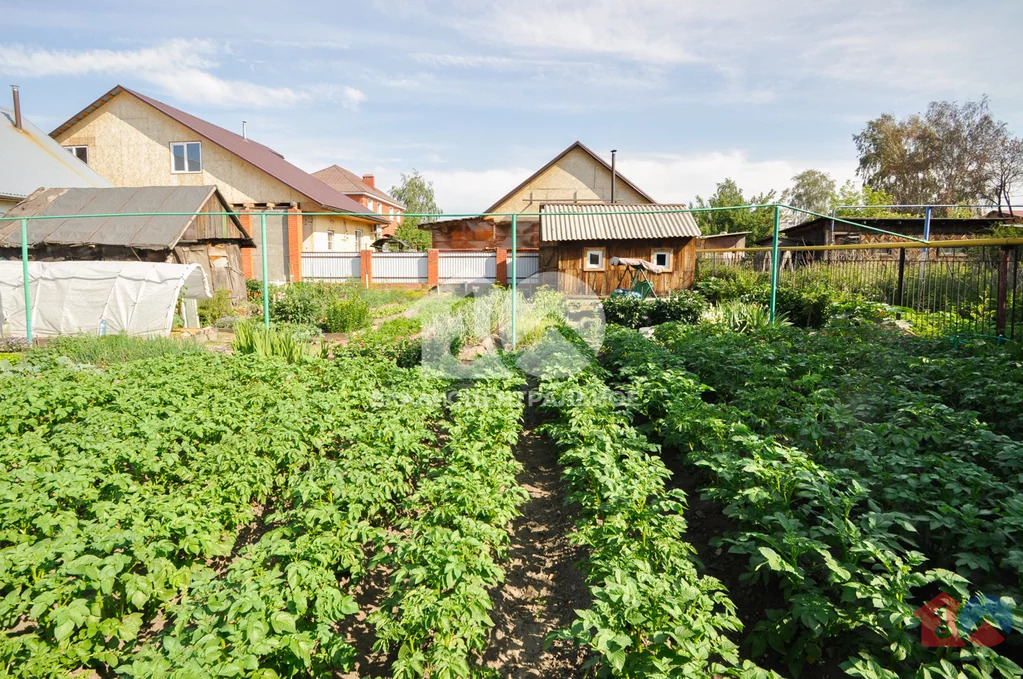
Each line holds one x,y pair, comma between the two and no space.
134,298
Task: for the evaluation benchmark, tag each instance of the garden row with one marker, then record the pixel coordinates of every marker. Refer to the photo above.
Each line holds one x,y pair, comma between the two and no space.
845,554
653,614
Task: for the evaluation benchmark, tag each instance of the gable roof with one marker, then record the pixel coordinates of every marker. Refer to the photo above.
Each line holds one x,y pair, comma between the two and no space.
252,152
160,232
32,160
582,147
346,181
570,221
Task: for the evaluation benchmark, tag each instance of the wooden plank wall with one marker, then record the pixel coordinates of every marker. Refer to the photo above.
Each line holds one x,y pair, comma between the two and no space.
483,234
567,257
211,227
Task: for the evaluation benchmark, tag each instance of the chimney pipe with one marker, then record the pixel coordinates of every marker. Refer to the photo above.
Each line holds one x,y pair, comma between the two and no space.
244,131
614,152
17,107
370,179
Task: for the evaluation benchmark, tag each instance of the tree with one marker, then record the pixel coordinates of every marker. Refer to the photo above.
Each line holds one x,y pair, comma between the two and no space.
728,194
866,199
1005,172
942,156
811,190
417,195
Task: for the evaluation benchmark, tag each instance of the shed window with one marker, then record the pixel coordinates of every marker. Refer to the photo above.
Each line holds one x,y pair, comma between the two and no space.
186,157
330,240
662,258
79,152
593,259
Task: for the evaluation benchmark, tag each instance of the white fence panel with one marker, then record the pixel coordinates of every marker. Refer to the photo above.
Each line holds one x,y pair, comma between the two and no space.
400,267
463,267
526,264
330,266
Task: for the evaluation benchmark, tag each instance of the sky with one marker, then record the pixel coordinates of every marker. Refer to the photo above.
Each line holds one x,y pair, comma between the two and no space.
478,95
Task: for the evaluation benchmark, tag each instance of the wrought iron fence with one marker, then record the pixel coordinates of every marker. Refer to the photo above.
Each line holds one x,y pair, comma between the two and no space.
947,291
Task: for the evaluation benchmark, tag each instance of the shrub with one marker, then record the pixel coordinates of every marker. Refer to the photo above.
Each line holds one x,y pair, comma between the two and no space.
627,310
295,304
684,306
728,284
213,309
742,316
804,307
394,340
253,289
345,315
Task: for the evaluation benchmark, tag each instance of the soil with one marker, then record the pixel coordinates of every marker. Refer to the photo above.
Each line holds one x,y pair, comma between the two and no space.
543,587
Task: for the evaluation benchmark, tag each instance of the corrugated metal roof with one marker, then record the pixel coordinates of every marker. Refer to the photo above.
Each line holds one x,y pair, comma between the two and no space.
30,159
346,181
263,157
564,221
145,233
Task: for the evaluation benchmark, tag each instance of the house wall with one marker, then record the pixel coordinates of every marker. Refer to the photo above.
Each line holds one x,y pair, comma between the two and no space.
483,234
567,258
129,144
315,234
6,204
576,177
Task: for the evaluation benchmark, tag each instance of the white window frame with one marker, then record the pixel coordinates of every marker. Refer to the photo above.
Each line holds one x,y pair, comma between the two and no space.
586,259
667,256
330,239
358,239
185,144
73,150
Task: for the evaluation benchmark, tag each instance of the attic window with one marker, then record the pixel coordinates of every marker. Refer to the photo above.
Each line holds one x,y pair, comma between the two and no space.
79,152
186,157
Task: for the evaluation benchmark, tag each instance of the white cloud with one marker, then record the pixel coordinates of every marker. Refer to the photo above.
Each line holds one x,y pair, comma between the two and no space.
180,68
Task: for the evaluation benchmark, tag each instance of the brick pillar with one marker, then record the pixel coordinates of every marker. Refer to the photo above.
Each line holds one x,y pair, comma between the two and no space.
295,244
249,253
366,259
502,266
432,267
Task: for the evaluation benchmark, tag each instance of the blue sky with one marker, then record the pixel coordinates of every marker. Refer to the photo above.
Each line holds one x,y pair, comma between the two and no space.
477,95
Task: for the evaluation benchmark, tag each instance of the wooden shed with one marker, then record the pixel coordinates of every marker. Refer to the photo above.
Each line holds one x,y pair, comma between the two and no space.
580,240
181,234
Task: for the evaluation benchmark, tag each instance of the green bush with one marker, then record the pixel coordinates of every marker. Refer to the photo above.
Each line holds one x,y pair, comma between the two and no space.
296,303
729,283
253,289
627,310
684,306
804,307
393,339
212,310
345,315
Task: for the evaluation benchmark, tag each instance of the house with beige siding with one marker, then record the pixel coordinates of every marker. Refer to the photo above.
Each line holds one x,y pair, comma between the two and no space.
576,176
134,140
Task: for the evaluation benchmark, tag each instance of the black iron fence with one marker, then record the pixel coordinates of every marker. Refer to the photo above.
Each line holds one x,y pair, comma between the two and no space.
952,290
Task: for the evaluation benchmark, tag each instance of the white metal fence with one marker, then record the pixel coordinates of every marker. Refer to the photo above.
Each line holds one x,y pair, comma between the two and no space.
331,266
526,264
400,267
455,266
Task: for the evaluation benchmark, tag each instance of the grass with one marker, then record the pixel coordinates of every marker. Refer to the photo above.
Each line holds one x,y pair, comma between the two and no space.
113,349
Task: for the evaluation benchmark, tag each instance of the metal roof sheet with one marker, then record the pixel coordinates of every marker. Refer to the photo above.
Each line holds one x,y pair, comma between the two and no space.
30,159
157,232
565,221
263,157
346,181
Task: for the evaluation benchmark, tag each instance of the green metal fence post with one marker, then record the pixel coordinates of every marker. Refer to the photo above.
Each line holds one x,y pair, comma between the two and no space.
514,280
774,263
24,276
266,284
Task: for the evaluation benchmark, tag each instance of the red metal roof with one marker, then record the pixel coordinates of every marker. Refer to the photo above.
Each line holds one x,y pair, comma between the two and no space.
346,181
262,157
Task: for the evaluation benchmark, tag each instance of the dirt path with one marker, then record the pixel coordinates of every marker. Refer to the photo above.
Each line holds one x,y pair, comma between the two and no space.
542,585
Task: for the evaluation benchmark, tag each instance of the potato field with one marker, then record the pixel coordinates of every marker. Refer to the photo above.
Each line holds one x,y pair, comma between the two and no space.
775,502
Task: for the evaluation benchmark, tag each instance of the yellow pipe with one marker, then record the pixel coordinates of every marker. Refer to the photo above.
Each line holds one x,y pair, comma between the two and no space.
958,243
